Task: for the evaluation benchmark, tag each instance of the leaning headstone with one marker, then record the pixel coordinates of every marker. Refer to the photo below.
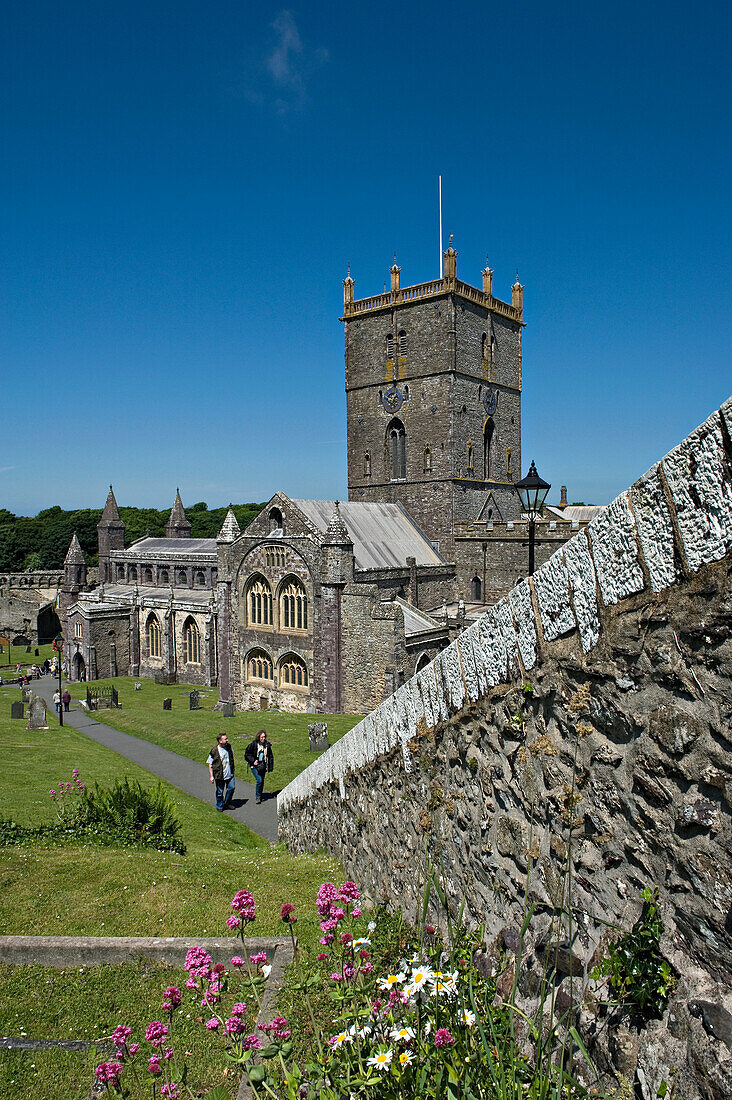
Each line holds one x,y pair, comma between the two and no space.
318,734
17,709
25,692
193,701
138,686
167,704
37,714
228,710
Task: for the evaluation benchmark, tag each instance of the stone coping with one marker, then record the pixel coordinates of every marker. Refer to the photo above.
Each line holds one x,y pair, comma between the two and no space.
62,951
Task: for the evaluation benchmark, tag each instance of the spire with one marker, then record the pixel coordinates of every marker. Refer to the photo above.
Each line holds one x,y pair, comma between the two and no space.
517,295
348,291
75,555
395,272
337,532
177,526
230,529
111,511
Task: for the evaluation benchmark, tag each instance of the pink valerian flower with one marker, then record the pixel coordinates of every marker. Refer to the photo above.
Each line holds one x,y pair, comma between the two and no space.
168,1053
191,983
235,1025
346,937
348,971
243,904
336,977
238,1009
363,954
237,960
396,997
323,955
355,912
327,894
327,940
171,1091
213,1024
74,773
156,1032
349,892
252,1042
279,1028
133,1048
109,1072
53,795
120,1035
153,1065
286,913
429,929
259,959
219,970
233,922
367,967
198,962
443,1038
172,998
328,924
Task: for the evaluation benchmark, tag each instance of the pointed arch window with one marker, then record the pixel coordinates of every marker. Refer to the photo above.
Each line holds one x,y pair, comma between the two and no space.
293,672
148,575
367,464
259,602
470,456
164,576
390,346
402,344
293,606
488,430
133,572
476,589
259,665
78,629
191,643
396,443
152,636
427,465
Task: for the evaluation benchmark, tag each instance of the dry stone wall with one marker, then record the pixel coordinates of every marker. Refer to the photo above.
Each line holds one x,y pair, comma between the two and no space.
583,723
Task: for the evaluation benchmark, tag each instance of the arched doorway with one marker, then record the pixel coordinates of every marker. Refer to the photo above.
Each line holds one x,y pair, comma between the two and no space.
476,589
79,667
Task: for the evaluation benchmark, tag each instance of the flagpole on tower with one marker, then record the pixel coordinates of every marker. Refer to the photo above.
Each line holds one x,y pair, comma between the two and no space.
440,205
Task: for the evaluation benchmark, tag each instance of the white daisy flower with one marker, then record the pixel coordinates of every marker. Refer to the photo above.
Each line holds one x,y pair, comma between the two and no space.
371,926
401,1034
391,980
363,942
406,1057
380,1060
421,975
467,1017
340,1039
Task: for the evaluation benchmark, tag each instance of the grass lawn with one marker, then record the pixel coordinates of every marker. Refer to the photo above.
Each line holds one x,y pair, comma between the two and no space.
88,1003
17,655
193,733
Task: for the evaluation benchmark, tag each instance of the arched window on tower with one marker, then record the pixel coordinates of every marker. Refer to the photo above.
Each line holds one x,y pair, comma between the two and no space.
191,643
390,346
367,464
293,606
259,602
152,636
488,431
509,467
427,464
402,344
476,589
470,457
293,672
396,446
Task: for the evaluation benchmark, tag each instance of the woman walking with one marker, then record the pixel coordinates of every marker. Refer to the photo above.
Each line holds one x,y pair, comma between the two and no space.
260,758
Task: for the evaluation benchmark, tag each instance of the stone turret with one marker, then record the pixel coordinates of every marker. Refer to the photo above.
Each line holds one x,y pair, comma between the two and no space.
337,571
177,526
110,535
230,529
75,564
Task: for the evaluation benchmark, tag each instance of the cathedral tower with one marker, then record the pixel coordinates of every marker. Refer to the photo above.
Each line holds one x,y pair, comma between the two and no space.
110,536
433,399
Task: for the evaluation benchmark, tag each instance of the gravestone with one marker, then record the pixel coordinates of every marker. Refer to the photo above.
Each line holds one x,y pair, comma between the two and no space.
228,710
167,704
138,686
37,714
193,701
17,709
25,692
318,734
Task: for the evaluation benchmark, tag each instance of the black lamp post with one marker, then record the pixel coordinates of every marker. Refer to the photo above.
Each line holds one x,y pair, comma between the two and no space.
532,491
58,645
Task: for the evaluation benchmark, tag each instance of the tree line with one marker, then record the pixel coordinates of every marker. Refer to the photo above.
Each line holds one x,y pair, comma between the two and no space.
41,542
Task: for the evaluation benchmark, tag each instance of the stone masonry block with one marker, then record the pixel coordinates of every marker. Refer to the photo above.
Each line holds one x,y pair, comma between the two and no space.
581,574
551,584
492,651
441,689
428,691
522,610
615,552
655,529
470,672
505,624
471,638
449,664
697,472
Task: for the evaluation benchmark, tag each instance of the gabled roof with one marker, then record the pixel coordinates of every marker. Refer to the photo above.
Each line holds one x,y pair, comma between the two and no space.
175,547
383,535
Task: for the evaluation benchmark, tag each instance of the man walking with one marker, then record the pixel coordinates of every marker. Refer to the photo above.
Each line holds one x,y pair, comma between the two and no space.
221,771
66,699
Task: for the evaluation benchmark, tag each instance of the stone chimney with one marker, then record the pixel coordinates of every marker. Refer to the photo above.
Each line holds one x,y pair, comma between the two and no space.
563,497
517,295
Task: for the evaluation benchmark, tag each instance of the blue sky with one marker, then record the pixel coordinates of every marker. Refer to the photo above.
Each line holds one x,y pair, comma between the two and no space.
182,185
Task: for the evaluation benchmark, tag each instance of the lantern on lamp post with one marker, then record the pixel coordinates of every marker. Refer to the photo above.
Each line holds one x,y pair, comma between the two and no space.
532,490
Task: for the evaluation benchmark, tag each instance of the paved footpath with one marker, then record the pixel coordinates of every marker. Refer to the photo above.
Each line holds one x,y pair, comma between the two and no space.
181,772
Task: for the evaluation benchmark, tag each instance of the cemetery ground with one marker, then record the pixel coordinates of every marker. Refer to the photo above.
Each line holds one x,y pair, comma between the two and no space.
192,733
83,889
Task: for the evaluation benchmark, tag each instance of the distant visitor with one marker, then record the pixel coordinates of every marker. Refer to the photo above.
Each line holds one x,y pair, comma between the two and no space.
221,771
260,758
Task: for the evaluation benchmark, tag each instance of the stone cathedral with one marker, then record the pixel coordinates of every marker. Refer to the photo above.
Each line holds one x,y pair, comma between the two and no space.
327,606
